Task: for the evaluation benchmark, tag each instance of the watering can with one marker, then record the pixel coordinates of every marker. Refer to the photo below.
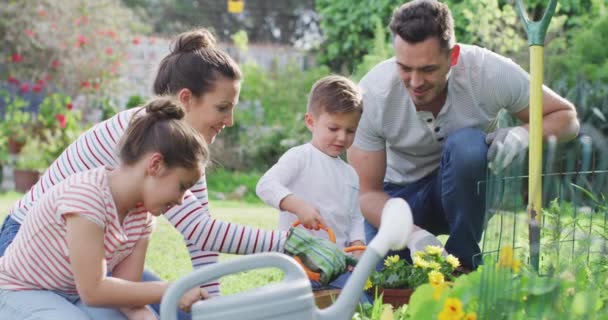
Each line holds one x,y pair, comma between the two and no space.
292,298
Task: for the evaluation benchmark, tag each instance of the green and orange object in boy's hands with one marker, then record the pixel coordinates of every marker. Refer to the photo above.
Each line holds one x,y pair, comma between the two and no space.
318,255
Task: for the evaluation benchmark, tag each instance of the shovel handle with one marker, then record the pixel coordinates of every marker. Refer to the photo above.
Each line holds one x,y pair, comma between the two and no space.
536,30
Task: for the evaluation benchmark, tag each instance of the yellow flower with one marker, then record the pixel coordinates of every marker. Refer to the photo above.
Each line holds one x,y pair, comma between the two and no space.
436,278
420,263
391,260
434,265
516,265
452,310
506,259
368,284
434,250
453,261
420,254
471,316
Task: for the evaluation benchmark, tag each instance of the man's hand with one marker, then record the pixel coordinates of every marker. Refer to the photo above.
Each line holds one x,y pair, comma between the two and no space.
420,239
318,255
505,145
310,217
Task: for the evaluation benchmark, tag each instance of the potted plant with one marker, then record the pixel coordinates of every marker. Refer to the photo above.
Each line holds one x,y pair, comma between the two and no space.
15,122
29,164
398,279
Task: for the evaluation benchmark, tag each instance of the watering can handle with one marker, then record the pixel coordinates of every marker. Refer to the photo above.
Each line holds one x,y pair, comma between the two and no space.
536,30
176,290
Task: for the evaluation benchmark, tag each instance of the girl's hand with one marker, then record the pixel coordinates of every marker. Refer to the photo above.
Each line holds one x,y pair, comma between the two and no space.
192,296
141,313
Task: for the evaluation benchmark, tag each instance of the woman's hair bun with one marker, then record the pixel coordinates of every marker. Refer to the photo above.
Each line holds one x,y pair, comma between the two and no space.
194,40
164,108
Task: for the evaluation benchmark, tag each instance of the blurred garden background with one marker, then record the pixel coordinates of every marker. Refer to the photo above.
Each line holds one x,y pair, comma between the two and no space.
68,64
65,65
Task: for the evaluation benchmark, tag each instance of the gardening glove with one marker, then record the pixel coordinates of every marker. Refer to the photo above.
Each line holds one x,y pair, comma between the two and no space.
505,145
420,239
318,255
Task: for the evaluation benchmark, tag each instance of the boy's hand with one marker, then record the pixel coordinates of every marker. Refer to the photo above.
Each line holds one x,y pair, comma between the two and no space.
310,217
192,296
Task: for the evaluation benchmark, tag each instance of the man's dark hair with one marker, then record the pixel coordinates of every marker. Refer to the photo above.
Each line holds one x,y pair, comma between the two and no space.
419,20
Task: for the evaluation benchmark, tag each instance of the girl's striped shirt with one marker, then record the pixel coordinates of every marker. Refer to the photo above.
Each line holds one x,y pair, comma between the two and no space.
38,258
204,236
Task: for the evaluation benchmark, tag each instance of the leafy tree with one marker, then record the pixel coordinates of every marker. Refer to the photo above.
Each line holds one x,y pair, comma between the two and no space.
348,30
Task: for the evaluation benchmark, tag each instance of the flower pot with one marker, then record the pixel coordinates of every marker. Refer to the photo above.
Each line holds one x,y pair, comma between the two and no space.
395,297
325,298
14,146
25,179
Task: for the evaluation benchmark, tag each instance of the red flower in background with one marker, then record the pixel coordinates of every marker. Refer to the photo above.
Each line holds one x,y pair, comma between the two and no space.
136,41
81,20
37,88
62,120
13,80
109,51
82,40
96,86
16,58
55,64
25,88
69,106
29,33
85,84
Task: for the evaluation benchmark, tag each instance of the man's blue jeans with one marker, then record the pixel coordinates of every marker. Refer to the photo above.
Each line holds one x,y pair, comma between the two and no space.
9,230
450,200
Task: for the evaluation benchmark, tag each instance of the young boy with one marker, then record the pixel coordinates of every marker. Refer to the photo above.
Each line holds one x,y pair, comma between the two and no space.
310,182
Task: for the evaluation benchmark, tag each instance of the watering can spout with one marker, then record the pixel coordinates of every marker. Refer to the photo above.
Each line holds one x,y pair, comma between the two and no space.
395,228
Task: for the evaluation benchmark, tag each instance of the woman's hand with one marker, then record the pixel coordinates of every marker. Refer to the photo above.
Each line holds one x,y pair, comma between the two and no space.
192,296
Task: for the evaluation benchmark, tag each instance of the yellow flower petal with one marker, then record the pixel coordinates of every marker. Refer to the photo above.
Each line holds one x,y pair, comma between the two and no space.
470,316
368,284
453,261
434,250
436,278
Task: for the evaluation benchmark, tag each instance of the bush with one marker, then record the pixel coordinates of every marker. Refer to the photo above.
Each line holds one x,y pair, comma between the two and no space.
73,46
271,115
222,184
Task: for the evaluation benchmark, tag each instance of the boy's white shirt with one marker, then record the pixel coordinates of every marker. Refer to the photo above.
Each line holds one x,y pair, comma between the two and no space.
327,183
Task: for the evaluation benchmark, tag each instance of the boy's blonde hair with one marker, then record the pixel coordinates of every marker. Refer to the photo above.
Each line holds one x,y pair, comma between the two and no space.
335,94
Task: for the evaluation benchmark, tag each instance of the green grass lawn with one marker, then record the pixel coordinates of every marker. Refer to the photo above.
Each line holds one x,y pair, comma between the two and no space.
168,257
